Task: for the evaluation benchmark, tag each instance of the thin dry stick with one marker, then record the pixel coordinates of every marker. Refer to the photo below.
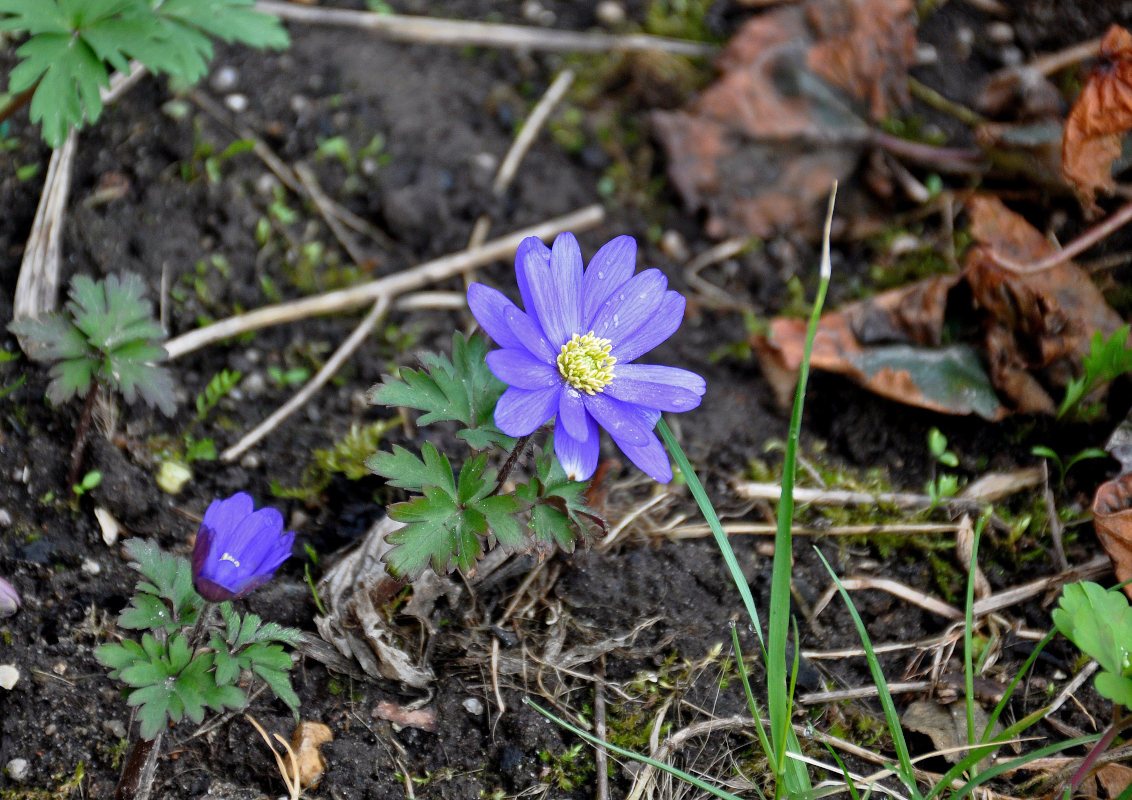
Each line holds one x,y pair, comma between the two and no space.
769,529
1079,245
461,33
904,592
287,176
325,207
837,695
1093,568
332,365
390,286
37,287
601,757
538,116
720,252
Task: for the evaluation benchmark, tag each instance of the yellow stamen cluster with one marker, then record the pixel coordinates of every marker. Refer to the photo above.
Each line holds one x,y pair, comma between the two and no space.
586,364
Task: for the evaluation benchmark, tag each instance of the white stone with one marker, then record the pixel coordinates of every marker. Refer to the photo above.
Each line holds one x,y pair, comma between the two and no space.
91,567
18,769
5,518
9,675
237,103
473,706
225,79
111,528
609,12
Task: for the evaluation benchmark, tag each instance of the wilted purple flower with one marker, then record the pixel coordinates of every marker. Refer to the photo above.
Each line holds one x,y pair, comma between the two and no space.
9,599
238,549
570,353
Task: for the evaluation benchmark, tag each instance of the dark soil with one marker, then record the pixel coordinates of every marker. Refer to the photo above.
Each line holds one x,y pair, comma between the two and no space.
447,116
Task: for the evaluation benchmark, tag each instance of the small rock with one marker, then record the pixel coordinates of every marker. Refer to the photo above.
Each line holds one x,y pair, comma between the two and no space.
926,55
225,79
5,518
485,162
18,769
251,461
473,705
1000,32
111,528
254,385
610,13
172,476
115,728
9,676
672,244
91,567
300,104
237,103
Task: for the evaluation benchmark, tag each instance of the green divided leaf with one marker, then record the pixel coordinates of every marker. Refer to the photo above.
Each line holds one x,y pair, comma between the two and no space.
1107,359
71,45
559,514
109,336
461,389
168,577
405,471
1099,623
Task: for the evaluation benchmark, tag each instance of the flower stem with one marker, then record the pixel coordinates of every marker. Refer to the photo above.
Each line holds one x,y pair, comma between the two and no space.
1119,723
512,460
136,782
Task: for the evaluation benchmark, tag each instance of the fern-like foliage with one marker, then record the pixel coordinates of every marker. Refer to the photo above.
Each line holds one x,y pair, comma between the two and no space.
108,335
73,44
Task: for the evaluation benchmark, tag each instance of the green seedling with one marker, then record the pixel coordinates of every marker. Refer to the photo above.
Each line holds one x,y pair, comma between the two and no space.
1107,360
312,561
107,338
73,45
295,376
944,485
1063,467
569,769
89,482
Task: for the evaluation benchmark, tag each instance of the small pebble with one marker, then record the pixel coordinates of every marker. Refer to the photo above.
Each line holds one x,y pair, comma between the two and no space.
485,162
225,79
115,728
172,476
5,518
18,769
254,385
1000,32
111,528
926,55
473,706
300,104
9,675
251,461
610,13
237,103
673,245
91,567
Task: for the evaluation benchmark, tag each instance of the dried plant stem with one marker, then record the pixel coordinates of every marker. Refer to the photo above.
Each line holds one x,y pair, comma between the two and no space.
538,116
460,33
390,286
332,365
136,781
601,757
512,459
82,433
1117,220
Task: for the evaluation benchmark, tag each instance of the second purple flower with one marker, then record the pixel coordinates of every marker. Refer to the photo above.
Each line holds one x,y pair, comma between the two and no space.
570,354
238,548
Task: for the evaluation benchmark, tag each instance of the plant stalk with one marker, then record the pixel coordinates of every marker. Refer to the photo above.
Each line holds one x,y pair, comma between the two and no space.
82,432
136,782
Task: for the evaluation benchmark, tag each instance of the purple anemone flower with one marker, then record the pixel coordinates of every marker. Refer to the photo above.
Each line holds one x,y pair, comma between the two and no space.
238,549
570,354
9,599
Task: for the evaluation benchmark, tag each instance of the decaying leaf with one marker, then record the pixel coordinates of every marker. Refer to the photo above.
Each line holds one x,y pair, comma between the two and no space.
1037,325
1112,518
760,147
1033,330
305,741
1114,778
1099,119
353,591
946,726
421,718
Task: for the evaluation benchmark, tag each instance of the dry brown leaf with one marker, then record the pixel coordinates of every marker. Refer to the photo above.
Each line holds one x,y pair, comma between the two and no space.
1115,778
1099,119
421,718
305,741
759,148
1112,518
1037,325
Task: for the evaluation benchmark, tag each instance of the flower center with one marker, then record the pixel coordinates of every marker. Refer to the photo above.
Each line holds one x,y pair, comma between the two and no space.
229,557
586,364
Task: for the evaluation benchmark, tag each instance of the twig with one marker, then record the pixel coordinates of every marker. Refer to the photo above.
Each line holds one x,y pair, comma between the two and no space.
1093,568
601,757
325,207
837,695
931,97
332,365
390,286
1082,243
1073,685
720,252
914,596
406,28
530,130
768,529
